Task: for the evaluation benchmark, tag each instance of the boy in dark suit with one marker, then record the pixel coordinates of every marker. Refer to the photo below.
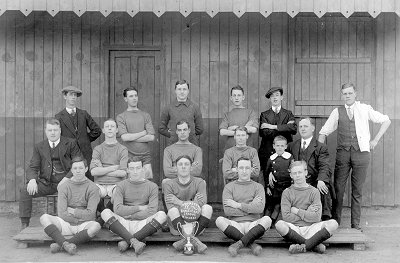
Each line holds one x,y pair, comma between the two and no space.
75,124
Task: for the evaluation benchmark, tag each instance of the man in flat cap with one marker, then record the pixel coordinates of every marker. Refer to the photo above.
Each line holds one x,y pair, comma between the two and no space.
78,124
273,122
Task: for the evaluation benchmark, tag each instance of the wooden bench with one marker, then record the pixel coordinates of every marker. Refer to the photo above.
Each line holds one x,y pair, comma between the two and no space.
353,237
51,204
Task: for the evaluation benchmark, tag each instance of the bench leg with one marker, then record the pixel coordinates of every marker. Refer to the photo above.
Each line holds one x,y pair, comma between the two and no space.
359,247
22,245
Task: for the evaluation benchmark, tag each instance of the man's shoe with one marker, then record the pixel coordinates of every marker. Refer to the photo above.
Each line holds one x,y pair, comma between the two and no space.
54,248
297,248
357,227
255,249
199,246
320,248
69,247
137,245
165,227
123,246
235,247
180,244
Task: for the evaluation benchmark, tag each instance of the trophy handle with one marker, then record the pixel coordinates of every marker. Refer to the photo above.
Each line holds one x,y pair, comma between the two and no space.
178,228
196,227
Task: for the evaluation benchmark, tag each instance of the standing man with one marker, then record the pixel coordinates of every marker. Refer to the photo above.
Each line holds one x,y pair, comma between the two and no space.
136,130
243,202
316,155
182,189
78,124
301,214
182,147
238,116
182,109
77,202
109,161
353,148
135,214
273,122
50,164
233,154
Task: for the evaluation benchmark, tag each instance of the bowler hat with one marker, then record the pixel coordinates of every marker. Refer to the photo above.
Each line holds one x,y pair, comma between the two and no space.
272,90
73,89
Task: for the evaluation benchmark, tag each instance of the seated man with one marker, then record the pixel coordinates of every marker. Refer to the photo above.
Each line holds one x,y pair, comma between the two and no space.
243,202
301,213
187,188
182,147
50,166
135,207
77,202
234,153
109,161
316,155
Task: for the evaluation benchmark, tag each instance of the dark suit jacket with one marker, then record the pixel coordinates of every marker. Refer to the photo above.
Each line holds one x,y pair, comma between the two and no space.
40,165
82,136
317,160
268,135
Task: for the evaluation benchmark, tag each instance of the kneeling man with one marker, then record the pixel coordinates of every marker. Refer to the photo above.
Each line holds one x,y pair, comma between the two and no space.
77,203
135,207
243,201
301,212
182,189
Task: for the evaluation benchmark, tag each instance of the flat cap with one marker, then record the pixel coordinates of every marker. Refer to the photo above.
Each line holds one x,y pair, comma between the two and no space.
73,89
272,90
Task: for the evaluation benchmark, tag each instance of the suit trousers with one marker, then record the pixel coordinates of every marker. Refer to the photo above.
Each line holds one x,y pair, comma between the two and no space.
358,163
25,199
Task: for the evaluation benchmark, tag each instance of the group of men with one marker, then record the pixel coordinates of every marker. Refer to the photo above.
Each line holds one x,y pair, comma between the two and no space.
296,178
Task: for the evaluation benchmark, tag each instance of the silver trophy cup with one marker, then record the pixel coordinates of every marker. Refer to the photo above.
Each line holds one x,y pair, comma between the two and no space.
187,231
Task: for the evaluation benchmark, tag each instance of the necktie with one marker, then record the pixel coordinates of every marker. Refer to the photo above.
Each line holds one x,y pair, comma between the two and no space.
53,145
350,113
303,147
73,112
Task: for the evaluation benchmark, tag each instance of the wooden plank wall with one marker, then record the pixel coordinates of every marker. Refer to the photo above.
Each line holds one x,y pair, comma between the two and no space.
41,54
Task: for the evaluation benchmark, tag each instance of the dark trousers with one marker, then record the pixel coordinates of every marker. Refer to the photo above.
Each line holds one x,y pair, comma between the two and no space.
326,201
357,162
25,199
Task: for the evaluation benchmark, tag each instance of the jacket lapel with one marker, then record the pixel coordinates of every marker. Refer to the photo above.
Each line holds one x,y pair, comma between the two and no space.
296,149
311,148
45,149
67,120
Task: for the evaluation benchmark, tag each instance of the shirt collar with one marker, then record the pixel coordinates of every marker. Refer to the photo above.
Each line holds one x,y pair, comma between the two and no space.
186,103
307,141
276,109
69,110
285,155
56,143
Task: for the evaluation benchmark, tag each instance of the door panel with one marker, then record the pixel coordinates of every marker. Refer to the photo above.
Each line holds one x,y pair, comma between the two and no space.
142,70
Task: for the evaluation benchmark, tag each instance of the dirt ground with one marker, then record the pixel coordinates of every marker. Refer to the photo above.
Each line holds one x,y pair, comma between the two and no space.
380,224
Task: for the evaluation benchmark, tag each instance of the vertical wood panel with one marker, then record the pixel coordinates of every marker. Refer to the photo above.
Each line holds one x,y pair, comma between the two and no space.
48,66
82,58
10,108
57,61
265,63
396,117
38,78
3,170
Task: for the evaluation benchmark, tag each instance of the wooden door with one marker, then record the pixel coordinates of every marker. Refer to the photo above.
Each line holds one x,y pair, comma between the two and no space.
141,69
326,53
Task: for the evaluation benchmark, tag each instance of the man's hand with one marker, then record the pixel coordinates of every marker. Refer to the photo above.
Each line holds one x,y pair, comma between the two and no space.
290,122
114,167
231,203
269,191
313,208
71,210
294,210
32,187
143,207
61,182
271,180
322,187
372,144
170,198
233,127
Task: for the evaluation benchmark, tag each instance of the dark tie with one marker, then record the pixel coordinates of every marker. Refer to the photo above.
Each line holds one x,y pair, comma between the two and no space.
73,113
303,148
350,113
53,145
